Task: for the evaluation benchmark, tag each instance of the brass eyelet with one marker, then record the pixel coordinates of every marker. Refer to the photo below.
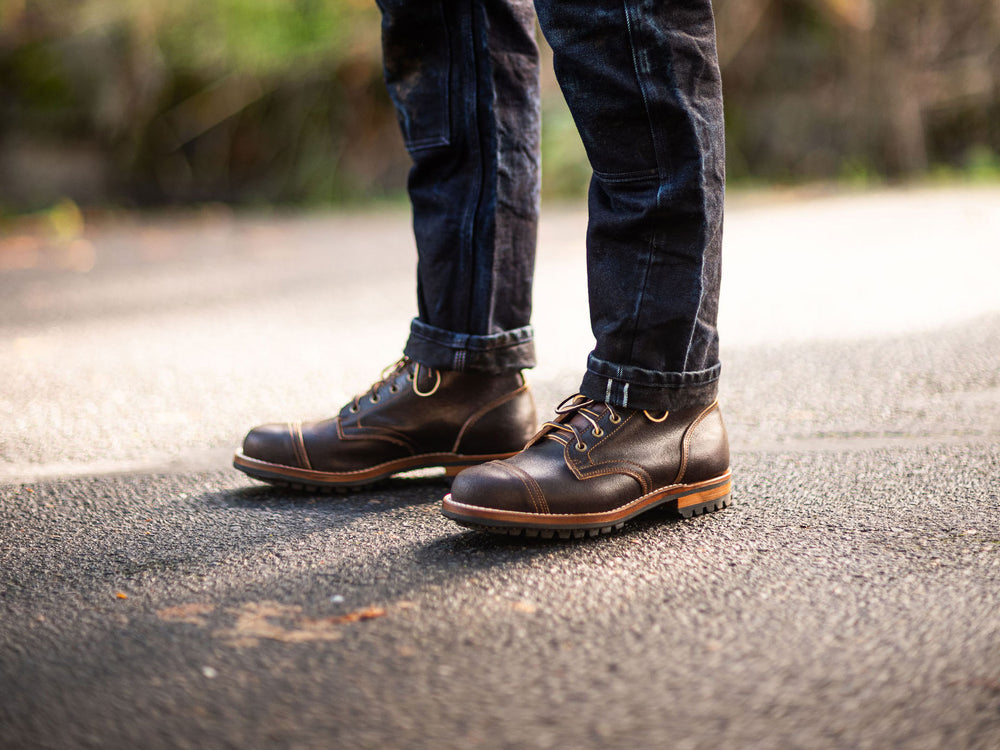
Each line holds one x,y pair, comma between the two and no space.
597,432
393,388
581,447
374,399
615,419
354,410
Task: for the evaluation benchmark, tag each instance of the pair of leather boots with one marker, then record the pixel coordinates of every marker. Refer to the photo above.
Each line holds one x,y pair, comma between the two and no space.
586,472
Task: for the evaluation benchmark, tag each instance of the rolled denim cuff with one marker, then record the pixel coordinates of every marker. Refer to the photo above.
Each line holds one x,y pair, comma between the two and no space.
494,354
636,388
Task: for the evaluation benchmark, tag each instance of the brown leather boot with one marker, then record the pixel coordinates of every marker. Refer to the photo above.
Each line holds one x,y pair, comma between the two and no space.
595,467
412,418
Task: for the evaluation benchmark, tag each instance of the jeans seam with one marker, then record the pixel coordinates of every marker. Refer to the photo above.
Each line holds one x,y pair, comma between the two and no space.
697,312
642,91
480,154
659,173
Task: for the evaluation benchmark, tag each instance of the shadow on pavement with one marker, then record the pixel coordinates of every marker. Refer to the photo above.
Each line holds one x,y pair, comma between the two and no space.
396,492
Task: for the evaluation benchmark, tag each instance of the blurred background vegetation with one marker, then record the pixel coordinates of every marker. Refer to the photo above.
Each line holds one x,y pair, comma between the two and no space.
257,102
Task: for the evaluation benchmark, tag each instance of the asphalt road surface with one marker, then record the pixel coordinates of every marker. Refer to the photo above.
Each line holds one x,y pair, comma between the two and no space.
152,597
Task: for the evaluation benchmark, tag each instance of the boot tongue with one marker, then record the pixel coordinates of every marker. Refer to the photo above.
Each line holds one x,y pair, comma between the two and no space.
578,417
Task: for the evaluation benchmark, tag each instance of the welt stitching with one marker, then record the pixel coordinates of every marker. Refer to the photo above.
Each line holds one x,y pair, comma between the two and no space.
631,503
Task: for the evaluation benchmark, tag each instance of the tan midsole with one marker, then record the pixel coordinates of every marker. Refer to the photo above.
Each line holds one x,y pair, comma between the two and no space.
705,496
446,460
686,495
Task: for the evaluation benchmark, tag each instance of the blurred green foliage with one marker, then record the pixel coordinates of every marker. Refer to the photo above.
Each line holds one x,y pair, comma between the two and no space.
263,37
138,102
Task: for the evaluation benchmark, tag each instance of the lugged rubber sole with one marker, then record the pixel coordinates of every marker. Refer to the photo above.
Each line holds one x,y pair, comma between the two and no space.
326,481
686,500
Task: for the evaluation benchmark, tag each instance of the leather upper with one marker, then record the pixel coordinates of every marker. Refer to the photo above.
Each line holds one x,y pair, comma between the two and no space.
569,469
413,411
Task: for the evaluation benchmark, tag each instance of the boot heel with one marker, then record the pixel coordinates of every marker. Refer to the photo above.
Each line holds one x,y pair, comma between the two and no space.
707,500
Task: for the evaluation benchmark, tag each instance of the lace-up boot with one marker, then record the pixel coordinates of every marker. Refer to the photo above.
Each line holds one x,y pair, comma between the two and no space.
595,467
413,417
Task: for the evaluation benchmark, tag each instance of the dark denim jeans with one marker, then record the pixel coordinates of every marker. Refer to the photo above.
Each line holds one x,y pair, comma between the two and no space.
642,82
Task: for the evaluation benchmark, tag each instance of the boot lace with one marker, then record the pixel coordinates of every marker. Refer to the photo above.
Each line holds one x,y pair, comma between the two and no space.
590,411
587,408
389,374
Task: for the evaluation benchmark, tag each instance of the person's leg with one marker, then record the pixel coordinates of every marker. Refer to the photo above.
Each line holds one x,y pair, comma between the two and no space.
642,81
464,78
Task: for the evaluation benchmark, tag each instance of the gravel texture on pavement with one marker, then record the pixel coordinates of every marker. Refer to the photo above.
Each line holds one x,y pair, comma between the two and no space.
151,596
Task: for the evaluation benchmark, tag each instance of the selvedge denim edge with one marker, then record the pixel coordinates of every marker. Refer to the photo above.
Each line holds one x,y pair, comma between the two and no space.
490,354
636,388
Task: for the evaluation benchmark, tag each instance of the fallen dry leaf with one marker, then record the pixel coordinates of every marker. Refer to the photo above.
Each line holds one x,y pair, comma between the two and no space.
287,624
369,613
526,607
189,613
121,595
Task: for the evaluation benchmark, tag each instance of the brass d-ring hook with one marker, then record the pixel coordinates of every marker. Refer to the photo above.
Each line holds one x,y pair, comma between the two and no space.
416,379
656,419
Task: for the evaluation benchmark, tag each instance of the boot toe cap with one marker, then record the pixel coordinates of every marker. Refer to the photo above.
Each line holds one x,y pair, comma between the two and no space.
271,443
493,486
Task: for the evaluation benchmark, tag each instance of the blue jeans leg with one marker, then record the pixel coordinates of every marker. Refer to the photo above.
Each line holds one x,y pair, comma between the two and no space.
464,78
642,80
